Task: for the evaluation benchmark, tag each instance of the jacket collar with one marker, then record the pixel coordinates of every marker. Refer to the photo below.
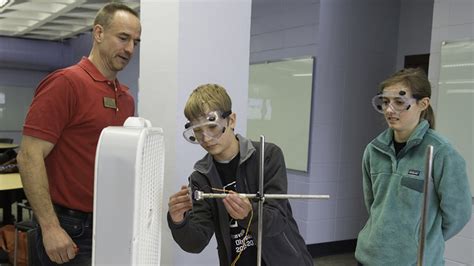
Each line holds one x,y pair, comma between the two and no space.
385,139
205,165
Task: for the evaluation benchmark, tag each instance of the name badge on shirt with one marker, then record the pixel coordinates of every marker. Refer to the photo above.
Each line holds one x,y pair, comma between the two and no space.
110,103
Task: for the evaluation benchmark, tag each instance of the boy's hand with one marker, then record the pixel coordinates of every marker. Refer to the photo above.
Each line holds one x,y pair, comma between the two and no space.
237,207
179,204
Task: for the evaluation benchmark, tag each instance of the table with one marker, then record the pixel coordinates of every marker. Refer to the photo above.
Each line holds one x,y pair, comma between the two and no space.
8,145
10,181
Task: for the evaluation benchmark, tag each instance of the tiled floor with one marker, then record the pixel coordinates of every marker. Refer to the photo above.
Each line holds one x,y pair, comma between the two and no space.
345,259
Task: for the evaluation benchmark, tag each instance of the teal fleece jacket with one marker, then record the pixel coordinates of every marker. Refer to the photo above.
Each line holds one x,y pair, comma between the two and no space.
393,192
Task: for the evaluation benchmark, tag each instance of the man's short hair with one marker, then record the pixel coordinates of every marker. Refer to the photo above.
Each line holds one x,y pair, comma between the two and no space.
206,98
106,13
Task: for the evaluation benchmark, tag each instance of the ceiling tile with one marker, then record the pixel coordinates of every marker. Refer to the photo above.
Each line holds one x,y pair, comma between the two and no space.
51,19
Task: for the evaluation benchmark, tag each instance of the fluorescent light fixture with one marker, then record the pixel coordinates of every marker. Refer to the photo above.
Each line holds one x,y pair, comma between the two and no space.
460,82
459,65
303,75
4,4
460,91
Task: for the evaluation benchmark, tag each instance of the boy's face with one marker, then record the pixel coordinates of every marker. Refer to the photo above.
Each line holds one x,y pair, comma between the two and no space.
226,147
214,133
206,128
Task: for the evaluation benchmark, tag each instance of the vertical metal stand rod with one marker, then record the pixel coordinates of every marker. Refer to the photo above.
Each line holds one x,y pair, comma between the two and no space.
428,173
262,198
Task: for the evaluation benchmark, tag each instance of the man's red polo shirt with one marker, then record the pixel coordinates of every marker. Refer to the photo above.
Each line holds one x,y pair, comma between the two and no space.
70,108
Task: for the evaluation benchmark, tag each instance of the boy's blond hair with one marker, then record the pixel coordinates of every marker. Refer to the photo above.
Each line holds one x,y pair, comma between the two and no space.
207,98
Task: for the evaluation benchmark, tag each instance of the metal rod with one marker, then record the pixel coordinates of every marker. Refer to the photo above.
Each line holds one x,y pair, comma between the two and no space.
261,199
199,195
260,196
424,208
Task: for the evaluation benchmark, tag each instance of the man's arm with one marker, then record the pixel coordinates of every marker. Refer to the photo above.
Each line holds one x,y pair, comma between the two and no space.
34,178
58,245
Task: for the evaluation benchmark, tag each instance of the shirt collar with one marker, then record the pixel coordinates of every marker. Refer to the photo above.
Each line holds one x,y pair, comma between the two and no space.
94,73
92,70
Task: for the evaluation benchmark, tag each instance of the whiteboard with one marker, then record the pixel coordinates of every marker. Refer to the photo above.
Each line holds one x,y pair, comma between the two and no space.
455,111
279,107
14,104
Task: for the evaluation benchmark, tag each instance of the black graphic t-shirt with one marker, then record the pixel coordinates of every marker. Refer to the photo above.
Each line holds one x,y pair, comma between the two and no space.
239,241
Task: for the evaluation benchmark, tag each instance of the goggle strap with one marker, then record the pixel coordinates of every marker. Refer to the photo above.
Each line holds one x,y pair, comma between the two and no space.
226,113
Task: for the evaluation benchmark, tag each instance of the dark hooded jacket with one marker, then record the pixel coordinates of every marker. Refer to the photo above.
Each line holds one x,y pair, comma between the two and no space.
281,244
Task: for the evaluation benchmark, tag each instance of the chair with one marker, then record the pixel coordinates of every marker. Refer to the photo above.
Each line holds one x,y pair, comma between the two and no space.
6,140
30,228
9,196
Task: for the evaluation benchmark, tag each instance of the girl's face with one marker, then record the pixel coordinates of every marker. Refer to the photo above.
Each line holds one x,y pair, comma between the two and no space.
404,121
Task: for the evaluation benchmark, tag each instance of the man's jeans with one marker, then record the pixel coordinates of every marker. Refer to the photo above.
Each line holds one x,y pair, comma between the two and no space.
79,227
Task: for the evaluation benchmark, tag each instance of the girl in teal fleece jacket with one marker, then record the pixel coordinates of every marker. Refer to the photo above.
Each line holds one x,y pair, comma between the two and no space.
393,176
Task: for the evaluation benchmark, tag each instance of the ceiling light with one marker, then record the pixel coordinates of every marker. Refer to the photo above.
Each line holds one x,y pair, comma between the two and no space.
459,82
459,65
461,91
303,75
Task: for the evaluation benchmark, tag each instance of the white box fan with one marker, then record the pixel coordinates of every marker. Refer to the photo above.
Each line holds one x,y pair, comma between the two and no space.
129,169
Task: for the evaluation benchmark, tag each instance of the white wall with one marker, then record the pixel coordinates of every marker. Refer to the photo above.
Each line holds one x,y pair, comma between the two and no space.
452,20
185,44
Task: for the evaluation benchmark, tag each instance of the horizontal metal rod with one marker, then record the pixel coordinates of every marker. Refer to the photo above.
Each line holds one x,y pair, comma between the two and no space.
199,195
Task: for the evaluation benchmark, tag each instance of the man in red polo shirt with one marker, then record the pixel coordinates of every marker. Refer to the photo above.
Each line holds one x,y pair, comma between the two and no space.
70,108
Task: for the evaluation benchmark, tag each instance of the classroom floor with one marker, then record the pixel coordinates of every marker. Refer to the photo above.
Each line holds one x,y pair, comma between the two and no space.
344,259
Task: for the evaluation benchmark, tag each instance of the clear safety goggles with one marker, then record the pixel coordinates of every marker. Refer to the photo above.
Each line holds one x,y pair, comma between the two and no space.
398,102
209,127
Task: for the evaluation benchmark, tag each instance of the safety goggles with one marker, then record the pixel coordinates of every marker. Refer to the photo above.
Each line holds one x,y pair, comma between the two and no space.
398,102
206,128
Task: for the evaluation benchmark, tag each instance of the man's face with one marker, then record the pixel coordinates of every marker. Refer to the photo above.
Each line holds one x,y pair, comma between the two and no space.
119,40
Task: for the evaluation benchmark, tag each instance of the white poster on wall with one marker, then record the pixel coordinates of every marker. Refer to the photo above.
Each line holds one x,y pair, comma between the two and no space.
455,111
279,107
14,104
